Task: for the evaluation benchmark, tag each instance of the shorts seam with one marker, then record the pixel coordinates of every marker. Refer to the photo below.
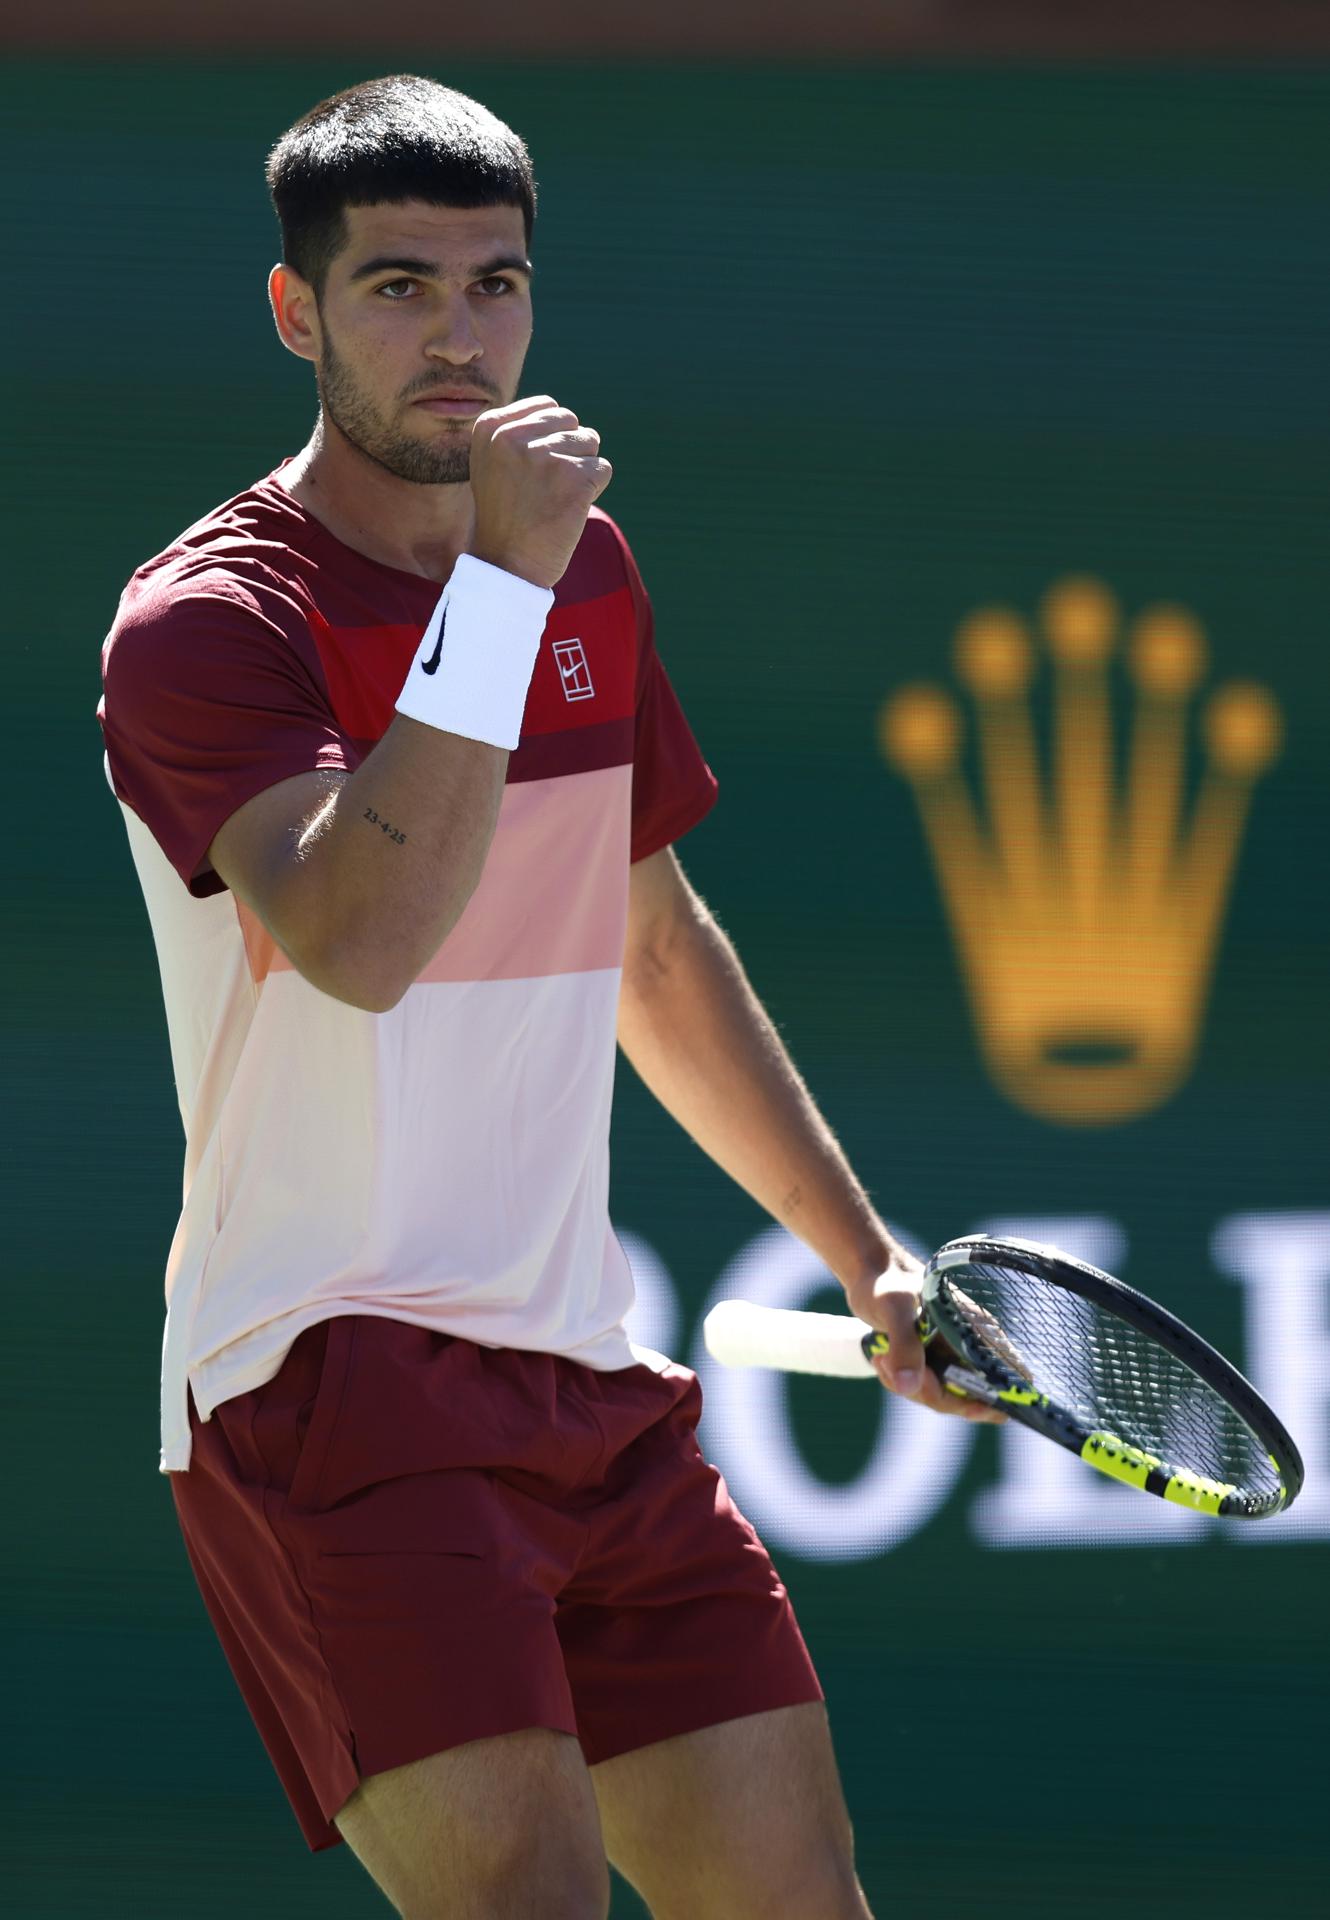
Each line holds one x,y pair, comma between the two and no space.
335,1416
283,1544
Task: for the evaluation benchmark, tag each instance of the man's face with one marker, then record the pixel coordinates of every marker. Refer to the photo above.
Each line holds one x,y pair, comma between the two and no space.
425,322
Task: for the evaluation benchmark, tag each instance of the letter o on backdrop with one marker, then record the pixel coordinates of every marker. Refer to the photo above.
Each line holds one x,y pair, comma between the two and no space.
749,1434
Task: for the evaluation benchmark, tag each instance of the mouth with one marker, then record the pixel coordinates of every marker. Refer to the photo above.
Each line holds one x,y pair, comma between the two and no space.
453,405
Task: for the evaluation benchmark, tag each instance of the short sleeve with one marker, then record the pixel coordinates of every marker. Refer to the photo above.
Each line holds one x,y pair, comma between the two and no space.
673,787
211,694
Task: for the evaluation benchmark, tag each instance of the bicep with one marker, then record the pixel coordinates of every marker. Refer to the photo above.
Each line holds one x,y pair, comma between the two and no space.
213,694
258,848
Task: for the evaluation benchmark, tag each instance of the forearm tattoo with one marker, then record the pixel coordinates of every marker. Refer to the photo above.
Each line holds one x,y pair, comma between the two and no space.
395,834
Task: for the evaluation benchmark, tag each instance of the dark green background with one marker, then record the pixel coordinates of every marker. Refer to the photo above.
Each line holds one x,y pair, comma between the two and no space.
867,349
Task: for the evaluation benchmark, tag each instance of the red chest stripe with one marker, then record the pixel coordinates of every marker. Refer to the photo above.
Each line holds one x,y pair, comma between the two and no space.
364,668
586,669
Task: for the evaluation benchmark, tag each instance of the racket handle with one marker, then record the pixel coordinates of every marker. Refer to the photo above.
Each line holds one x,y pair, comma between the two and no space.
740,1334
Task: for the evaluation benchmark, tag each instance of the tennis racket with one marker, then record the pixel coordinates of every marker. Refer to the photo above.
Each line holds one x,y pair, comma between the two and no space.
1069,1352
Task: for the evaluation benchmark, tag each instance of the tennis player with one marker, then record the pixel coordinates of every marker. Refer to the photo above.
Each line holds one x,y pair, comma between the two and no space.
402,774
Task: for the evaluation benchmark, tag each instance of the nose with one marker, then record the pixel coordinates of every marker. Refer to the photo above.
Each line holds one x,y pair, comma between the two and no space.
454,338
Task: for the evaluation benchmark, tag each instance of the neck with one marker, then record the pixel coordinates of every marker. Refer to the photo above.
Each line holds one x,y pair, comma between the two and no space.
419,529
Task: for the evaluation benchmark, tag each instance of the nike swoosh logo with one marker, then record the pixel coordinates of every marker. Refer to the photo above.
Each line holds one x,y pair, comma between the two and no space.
432,664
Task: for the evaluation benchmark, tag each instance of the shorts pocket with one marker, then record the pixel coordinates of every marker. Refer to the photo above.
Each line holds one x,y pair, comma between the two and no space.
442,1514
329,1395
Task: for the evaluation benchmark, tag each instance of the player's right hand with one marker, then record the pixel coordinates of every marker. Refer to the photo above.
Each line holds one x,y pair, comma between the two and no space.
535,470
892,1307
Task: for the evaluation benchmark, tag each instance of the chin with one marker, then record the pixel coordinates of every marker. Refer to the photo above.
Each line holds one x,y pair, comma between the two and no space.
446,473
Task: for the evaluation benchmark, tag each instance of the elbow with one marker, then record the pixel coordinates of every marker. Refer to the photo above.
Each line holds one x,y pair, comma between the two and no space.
645,973
371,996
655,962
365,960
367,978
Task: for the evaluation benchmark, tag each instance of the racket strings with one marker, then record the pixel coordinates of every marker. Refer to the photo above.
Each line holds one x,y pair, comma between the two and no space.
1110,1374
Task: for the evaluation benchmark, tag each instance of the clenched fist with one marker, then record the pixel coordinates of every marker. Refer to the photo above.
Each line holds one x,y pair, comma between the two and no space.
535,470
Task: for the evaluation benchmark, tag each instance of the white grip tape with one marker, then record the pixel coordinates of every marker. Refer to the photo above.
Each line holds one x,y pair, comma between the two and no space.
739,1334
474,665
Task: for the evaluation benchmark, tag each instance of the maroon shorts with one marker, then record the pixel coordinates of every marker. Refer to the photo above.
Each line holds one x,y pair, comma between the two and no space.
406,1541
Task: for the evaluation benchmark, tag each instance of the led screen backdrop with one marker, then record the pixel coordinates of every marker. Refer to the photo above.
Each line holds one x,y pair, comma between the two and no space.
969,429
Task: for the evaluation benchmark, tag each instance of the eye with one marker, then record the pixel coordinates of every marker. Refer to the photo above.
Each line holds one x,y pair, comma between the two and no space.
495,285
392,289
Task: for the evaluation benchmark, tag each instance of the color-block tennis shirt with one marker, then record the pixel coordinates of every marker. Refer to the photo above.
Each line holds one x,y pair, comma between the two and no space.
445,1163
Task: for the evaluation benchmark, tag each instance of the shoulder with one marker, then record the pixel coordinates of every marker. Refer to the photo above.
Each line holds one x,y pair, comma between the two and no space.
244,551
200,624
602,563
232,573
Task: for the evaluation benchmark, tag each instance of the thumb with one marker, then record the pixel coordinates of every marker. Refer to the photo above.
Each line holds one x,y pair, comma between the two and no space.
893,1310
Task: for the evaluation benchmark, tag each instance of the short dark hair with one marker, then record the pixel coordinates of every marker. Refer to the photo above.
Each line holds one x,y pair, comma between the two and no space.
395,139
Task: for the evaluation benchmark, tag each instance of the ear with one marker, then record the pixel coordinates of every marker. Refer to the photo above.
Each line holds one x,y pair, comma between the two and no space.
295,313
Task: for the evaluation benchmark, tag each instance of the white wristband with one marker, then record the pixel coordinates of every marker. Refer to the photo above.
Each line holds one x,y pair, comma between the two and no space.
475,662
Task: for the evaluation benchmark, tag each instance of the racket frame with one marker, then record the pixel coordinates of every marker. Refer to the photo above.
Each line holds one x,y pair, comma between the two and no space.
1105,1451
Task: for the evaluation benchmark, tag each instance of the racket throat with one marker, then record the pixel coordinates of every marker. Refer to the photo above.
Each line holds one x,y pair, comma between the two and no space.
970,1386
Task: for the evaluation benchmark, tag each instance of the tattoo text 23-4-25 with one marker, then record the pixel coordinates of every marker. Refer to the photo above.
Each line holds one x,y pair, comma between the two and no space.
384,826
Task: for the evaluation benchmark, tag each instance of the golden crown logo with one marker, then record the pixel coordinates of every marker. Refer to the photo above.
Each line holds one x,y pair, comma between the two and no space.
1086,917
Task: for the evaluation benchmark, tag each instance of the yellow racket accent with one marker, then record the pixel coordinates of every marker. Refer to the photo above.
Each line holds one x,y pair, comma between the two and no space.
881,1342
1023,1396
1112,1456
1194,1490
1133,1466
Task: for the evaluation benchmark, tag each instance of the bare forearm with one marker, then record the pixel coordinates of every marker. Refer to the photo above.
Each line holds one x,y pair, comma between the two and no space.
359,880
699,1037
380,875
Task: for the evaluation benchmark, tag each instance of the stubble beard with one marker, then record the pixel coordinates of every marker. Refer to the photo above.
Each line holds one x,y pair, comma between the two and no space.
358,420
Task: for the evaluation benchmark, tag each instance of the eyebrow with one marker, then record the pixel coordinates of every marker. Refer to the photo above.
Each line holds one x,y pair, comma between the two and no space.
416,269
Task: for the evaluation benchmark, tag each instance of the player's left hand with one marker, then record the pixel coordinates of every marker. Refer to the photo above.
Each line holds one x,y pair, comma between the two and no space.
890,1302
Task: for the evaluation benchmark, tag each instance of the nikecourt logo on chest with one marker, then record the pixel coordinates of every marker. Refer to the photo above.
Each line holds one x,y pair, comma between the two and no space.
574,672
